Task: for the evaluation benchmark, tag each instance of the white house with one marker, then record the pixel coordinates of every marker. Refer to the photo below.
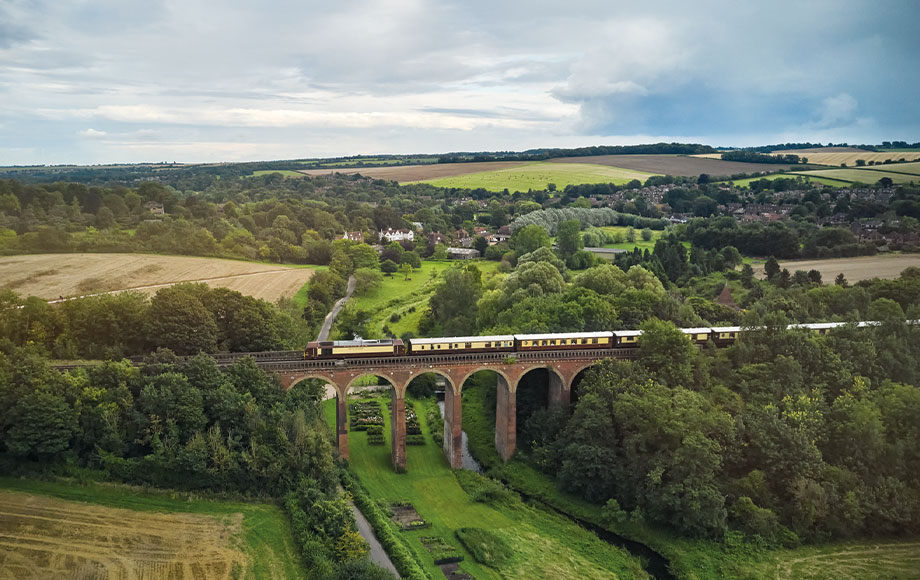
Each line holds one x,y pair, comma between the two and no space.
392,235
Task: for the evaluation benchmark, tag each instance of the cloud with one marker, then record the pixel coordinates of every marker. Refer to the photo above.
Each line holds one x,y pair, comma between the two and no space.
92,134
391,75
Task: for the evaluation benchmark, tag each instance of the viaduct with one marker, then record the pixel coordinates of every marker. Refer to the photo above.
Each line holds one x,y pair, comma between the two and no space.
562,368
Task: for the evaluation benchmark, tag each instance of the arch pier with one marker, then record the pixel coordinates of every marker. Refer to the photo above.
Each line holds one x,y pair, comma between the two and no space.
561,374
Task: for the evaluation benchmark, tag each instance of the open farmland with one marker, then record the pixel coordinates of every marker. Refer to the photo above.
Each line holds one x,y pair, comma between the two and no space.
853,269
815,179
862,175
538,174
837,155
48,538
52,275
407,173
682,165
57,530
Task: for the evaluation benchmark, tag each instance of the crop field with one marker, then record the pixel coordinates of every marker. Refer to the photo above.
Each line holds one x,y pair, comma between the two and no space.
862,175
853,269
50,276
411,173
537,175
682,165
837,155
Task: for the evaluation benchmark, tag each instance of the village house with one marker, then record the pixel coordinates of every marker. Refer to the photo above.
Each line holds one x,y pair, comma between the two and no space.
436,238
155,208
392,235
462,253
353,236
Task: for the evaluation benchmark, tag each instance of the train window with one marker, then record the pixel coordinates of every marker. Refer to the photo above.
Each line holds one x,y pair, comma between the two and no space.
469,345
593,341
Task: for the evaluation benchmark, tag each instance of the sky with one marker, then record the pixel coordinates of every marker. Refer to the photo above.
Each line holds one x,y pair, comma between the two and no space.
114,81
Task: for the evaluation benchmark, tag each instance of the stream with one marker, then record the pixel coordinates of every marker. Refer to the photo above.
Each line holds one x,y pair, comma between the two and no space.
654,563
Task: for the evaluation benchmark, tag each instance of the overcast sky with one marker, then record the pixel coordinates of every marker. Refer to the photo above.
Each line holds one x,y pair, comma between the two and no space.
107,81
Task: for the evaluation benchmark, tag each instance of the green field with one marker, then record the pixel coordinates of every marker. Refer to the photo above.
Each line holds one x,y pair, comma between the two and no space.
537,175
823,181
908,168
396,295
266,537
545,546
862,175
284,172
639,243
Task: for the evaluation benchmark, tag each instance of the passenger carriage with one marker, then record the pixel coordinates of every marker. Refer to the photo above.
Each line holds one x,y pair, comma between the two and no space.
563,341
461,344
354,348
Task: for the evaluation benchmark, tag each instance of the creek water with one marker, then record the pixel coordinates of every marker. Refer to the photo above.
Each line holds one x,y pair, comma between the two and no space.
655,564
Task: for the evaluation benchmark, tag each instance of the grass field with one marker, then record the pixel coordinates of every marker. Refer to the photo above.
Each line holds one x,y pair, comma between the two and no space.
284,172
408,298
375,161
837,155
538,175
545,546
95,532
821,180
639,243
853,269
684,165
52,275
907,168
862,175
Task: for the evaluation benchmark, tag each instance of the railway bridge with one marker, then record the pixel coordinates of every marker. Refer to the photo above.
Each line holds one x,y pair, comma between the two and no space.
562,368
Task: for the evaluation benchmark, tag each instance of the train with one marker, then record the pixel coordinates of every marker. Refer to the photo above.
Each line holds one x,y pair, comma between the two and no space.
718,335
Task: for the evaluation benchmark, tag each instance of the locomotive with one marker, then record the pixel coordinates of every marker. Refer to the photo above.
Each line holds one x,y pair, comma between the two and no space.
719,335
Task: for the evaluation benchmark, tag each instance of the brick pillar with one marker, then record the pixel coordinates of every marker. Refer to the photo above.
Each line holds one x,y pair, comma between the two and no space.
559,392
453,430
505,419
341,422
398,432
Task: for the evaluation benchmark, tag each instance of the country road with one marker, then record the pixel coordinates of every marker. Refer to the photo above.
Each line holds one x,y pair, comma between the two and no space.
336,308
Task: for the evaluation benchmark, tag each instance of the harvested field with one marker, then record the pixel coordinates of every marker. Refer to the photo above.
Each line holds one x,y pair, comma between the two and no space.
837,155
537,175
683,165
48,539
853,269
50,276
417,172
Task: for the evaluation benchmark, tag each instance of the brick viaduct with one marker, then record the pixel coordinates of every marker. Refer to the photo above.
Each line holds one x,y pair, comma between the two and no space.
562,366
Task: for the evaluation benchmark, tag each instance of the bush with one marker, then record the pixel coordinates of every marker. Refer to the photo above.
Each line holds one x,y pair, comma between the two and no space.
486,547
416,439
485,490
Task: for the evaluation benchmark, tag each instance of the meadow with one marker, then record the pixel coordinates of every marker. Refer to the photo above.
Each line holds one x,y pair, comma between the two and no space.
683,165
58,530
413,173
408,299
810,178
537,175
545,546
49,276
639,243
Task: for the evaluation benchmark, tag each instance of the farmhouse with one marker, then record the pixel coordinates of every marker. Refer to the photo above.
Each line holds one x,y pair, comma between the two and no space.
353,236
155,208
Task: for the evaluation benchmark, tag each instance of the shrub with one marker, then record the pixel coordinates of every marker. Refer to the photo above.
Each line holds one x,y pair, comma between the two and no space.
417,439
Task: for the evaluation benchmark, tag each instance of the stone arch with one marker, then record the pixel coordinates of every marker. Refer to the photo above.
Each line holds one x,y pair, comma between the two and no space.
576,374
289,380
354,376
444,374
511,380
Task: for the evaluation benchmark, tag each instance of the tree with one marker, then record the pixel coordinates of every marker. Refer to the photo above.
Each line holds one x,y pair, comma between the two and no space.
841,280
747,276
406,269
41,425
666,351
481,244
388,267
568,238
454,305
630,234
177,320
646,234
529,238
366,280
771,268
412,259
